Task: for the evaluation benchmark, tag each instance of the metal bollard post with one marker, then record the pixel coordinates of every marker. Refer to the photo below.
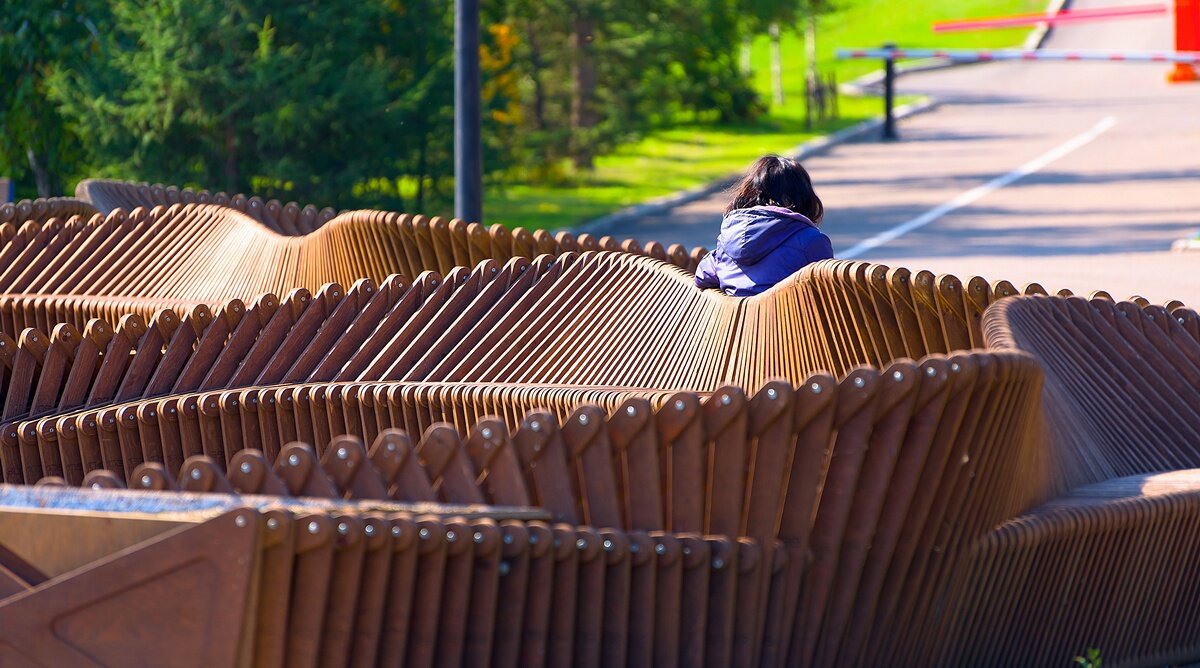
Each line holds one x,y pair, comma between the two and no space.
889,95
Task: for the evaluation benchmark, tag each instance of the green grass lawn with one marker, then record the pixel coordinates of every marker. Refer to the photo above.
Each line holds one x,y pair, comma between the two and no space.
663,162
871,23
689,155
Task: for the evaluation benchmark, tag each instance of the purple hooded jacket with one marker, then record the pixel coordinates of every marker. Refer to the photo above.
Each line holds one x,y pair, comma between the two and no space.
758,247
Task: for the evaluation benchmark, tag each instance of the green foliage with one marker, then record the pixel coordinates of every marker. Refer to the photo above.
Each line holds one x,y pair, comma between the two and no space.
1090,659
762,13
350,102
664,161
869,23
38,147
693,149
228,94
647,63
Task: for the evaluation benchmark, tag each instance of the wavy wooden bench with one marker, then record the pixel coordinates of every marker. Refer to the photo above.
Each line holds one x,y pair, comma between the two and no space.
41,211
287,218
834,481
427,243
1122,382
865,313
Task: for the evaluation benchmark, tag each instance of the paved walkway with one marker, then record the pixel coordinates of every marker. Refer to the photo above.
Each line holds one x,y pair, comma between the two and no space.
1076,175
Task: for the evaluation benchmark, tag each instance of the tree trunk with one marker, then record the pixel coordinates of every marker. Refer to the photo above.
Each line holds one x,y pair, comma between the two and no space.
776,65
39,152
422,167
747,51
230,171
536,66
810,44
583,90
42,175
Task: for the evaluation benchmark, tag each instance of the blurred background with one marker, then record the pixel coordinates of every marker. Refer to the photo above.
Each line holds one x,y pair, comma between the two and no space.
589,105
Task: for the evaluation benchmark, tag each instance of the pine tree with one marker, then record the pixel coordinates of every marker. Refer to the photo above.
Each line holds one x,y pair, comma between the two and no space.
37,37
274,96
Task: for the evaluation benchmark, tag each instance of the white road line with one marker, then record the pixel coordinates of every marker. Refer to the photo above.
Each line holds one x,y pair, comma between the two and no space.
978,192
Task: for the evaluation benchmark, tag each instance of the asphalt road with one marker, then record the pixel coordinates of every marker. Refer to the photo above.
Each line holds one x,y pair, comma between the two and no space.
1075,175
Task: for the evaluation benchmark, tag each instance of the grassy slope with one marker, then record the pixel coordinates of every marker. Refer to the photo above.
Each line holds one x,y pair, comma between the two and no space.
662,163
689,155
870,23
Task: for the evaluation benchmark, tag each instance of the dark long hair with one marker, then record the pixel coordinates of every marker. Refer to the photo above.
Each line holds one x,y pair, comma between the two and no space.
776,181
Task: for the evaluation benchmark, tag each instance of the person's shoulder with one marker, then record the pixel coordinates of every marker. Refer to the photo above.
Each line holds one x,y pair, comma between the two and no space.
813,242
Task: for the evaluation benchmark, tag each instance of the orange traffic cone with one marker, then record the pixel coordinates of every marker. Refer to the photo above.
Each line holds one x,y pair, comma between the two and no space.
1187,38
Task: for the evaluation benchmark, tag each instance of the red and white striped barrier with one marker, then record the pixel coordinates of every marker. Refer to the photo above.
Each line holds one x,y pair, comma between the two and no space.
974,55
1061,18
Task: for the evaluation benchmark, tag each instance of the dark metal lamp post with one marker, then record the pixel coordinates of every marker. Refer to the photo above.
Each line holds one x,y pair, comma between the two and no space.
468,149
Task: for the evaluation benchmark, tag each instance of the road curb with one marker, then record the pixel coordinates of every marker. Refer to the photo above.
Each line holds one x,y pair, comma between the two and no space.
1042,32
808,149
1186,245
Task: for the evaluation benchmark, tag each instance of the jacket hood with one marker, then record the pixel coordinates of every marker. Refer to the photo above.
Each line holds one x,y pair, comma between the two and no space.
748,235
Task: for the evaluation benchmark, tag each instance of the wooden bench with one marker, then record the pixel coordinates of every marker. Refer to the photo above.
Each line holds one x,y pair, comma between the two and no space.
592,320
284,218
426,243
567,319
266,581
205,253
864,313
1110,566
834,481
41,211
866,508
1122,386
